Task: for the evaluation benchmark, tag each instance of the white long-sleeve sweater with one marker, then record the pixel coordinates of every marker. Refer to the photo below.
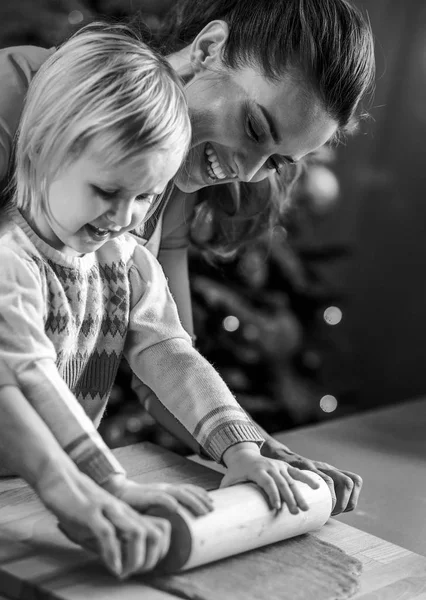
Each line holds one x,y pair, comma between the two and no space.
66,322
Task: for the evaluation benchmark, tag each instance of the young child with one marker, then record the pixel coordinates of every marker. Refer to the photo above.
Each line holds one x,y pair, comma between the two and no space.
100,137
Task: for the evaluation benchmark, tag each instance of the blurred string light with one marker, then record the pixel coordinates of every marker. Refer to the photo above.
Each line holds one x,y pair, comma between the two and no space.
231,323
75,17
333,315
328,403
134,424
323,188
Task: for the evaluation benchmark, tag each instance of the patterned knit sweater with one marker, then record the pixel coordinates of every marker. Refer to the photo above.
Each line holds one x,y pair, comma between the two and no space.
66,322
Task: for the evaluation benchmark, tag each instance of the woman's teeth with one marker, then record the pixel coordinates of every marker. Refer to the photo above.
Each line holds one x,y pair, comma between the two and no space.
214,168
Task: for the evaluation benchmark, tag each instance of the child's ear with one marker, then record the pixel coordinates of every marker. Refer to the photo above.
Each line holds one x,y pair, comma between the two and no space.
207,48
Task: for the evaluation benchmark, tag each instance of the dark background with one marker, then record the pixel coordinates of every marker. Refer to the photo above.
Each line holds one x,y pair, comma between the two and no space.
355,241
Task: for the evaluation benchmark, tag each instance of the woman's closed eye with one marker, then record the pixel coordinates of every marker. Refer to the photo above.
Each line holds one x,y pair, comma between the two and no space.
254,129
256,132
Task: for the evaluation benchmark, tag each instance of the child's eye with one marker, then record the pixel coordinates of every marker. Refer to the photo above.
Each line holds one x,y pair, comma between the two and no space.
106,194
146,197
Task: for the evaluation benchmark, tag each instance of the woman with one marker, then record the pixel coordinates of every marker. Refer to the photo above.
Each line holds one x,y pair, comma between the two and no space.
267,83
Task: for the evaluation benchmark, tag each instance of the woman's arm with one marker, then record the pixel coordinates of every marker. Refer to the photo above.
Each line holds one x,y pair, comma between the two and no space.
96,519
175,266
344,486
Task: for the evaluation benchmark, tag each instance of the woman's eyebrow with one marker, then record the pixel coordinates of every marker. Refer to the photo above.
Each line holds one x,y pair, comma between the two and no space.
273,130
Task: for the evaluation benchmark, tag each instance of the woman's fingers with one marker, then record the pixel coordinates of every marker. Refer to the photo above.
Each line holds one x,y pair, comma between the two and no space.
126,542
304,476
157,543
144,540
100,537
347,488
109,547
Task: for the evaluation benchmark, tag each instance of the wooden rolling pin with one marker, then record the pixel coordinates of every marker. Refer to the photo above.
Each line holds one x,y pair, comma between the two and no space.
241,521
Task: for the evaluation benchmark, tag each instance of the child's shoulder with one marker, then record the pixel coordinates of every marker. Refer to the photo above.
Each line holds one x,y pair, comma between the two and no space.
13,239
17,253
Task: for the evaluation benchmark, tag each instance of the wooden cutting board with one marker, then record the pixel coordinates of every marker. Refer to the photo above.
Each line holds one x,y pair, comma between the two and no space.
38,563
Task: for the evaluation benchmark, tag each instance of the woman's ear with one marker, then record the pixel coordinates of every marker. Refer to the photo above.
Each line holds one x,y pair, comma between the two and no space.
207,48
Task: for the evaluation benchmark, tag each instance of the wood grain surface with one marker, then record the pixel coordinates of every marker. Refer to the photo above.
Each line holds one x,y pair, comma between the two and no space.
37,562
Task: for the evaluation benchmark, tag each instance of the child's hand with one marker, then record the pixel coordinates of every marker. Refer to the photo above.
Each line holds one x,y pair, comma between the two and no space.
142,496
275,477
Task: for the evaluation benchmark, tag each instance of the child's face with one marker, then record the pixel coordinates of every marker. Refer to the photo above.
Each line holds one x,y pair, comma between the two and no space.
90,204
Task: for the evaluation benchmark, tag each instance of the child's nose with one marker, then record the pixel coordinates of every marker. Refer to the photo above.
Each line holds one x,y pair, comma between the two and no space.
122,213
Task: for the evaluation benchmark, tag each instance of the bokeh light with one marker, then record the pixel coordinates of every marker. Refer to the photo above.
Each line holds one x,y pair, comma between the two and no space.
328,403
75,17
231,323
333,315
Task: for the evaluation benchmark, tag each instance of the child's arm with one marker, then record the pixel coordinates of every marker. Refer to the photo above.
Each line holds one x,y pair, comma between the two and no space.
29,354
96,519
160,353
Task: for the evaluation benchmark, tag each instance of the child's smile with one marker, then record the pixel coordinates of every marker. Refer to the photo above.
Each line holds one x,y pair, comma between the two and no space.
90,203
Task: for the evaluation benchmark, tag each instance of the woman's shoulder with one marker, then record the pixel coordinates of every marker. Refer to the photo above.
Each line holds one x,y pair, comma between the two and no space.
24,61
18,65
177,219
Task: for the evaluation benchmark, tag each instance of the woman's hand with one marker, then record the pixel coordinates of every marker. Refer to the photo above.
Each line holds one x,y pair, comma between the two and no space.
276,478
143,496
88,515
344,486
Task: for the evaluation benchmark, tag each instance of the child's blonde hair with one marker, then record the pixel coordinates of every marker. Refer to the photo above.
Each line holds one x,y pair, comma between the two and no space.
103,83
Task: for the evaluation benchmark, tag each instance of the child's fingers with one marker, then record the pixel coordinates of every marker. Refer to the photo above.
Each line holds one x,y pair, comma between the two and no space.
195,499
149,499
269,486
287,489
305,476
297,494
203,496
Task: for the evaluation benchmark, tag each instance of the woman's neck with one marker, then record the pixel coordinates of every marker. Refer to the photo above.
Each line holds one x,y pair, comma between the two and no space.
181,63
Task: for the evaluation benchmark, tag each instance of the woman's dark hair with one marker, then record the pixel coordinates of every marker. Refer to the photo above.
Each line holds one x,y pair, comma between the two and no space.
328,42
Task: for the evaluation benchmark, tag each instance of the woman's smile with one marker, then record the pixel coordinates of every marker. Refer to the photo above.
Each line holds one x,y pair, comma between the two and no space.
244,125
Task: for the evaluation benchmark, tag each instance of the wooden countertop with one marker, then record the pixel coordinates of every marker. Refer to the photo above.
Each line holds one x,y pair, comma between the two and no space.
35,556
387,447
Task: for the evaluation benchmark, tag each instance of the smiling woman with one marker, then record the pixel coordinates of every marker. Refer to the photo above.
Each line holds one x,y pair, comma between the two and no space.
253,129
267,83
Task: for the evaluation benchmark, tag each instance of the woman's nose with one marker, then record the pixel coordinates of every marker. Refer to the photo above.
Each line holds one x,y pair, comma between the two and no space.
252,169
